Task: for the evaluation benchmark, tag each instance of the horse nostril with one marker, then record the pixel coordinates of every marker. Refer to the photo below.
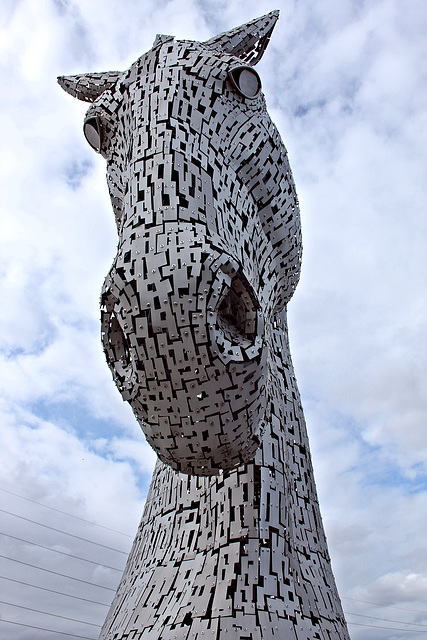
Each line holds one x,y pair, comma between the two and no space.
115,344
237,312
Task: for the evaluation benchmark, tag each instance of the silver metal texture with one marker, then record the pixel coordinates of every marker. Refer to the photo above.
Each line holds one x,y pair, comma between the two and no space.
193,312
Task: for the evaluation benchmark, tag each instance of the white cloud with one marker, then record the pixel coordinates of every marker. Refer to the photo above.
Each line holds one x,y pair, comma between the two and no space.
346,87
399,587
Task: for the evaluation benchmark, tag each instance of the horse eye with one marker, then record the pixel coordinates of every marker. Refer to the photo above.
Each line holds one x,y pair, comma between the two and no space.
92,131
246,81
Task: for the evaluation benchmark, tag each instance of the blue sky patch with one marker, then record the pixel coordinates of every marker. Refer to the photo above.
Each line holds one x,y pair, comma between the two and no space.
75,416
76,171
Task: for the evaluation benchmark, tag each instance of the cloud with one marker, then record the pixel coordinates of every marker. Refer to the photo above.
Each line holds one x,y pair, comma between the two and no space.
345,85
399,587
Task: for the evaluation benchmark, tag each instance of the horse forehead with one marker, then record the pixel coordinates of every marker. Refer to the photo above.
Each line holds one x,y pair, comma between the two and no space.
191,68
191,58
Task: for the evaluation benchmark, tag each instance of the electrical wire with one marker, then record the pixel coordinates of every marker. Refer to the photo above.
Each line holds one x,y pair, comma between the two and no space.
70,555
64,532
59,593
103,604
116,569
95,524
372,626
358,624
388,606
362,615
61,633
27,564
46,613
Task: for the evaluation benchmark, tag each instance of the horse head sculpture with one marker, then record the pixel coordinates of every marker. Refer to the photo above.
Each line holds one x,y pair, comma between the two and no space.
194,329
209,241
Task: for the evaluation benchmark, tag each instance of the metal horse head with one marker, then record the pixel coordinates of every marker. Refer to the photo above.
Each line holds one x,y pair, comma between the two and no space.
209,241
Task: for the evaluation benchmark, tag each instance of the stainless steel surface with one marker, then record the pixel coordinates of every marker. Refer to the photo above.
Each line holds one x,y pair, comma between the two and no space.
231,543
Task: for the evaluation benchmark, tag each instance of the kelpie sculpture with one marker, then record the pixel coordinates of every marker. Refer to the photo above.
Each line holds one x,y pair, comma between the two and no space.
231,543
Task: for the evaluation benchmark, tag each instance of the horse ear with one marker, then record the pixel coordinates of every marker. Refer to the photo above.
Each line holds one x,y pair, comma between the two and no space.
88,86
160,39
249,41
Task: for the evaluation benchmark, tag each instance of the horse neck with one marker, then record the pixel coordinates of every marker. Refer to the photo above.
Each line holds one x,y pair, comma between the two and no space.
247,541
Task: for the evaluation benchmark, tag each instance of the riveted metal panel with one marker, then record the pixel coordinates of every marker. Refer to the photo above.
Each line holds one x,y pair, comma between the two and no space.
231,543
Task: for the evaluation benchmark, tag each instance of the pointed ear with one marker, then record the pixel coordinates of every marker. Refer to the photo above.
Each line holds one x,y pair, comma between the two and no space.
160,39
88,86
249,41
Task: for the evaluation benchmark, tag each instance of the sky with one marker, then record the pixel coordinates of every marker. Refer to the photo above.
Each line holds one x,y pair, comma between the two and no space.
345,83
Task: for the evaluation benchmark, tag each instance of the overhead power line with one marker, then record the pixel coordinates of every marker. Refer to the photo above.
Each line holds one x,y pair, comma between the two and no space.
58,593
388,606
63,553
117,569
362,615
64,532
65,513
373,626
61,633
46,613
27,564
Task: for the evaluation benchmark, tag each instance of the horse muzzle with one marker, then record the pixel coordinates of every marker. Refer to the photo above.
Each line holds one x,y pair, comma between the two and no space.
183,333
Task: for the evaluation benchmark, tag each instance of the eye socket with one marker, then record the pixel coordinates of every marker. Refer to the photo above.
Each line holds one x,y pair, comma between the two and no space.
93,134
246,81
